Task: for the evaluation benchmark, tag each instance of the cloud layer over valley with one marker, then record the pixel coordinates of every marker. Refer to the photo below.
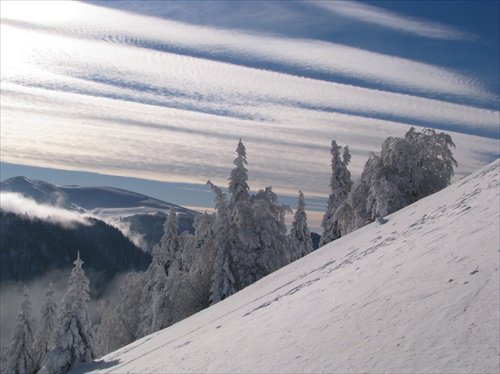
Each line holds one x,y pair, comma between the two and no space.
18,204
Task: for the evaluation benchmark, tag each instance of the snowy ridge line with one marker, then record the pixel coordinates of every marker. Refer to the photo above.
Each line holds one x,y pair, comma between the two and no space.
418,293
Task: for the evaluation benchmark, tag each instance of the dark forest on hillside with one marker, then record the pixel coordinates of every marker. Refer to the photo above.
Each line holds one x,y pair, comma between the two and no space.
31,247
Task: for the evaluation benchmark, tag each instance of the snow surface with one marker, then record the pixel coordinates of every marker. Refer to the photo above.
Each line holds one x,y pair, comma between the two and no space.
418,293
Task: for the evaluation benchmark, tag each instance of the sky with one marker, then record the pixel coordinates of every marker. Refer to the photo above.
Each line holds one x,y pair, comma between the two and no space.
153,96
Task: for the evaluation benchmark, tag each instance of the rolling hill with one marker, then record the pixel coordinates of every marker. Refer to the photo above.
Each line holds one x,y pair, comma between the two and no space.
100,201
415,292
138,216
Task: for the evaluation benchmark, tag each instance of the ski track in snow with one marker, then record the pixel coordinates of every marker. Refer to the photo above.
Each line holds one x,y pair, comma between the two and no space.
418,293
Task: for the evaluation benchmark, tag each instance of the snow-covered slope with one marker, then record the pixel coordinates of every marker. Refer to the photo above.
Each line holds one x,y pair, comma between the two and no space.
418,293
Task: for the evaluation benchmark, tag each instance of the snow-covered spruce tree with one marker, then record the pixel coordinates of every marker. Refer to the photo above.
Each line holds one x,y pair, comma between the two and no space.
46,326
260,242
104,332
242,227
299,231
21,358
223,283
238,179
153,300
199,242
406,170
73,341
275,247
354,213
155,308
246,244
168,251
119,324
198,259
340,185
259,252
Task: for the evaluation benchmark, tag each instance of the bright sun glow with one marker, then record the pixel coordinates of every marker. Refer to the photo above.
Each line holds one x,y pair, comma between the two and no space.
26,34
43,12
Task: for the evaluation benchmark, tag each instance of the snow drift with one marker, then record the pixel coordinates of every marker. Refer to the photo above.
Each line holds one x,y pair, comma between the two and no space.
416,292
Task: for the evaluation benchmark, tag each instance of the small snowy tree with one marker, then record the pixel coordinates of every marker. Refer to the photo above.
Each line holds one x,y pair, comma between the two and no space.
300,232
201,252
340,185
46,326
21,358
223,283
238,179
119,324
167,252
153,298
128,307
73,341
167,262
189,289
105,333
354,213
273,242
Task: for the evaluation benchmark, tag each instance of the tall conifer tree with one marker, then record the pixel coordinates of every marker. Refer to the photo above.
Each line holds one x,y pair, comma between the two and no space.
46,326
340,185
300,232
21,357
238,179
154,307
167,252
73,340
223,281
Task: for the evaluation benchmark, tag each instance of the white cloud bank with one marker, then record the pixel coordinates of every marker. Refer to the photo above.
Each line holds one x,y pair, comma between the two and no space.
381,17
17,203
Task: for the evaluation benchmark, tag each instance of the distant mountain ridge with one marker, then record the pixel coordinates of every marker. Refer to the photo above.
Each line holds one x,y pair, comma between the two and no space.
88,198
138,216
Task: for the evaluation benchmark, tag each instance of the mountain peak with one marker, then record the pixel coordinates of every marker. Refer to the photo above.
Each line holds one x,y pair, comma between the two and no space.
88,198
40,191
